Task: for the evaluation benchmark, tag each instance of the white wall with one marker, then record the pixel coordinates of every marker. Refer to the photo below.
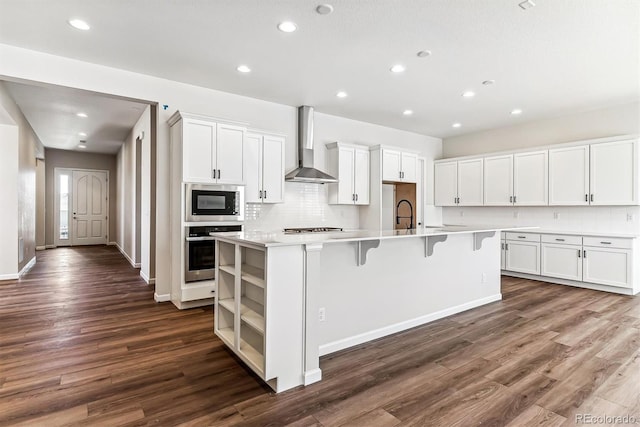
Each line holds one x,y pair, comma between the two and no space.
125,190
20,147
618,120
40,203
35,66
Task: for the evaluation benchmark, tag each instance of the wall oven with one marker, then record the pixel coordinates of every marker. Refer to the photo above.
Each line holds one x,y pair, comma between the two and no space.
214,202
200,251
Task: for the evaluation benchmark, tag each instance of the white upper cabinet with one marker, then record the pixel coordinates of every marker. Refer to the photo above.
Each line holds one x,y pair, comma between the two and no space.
459,183
399,166
498,180
614,178
530,179
264,168
350,165
211,152
569,176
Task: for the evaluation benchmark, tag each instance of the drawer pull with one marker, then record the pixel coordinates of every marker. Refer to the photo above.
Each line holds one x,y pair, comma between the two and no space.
559,240
605,243
579,253
522,237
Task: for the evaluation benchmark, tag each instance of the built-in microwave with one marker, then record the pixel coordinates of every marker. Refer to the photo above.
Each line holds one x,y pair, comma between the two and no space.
214,202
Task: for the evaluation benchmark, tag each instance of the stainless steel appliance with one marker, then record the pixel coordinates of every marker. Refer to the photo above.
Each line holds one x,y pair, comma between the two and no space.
200,251
214,202
311,230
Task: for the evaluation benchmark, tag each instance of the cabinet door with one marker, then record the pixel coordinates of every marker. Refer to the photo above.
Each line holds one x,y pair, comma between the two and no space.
530,179
198,145
607,266
446,184
361,176
273,169
408,167
391,165
498,180
253,168
569,176
470,188
563,261
523,257
346,159
228,155
614,173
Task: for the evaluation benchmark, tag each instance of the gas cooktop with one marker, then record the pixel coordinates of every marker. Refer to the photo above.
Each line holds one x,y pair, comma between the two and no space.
311,230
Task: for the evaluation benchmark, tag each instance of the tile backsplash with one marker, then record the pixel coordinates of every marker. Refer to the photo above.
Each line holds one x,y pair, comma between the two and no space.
613,219
305,206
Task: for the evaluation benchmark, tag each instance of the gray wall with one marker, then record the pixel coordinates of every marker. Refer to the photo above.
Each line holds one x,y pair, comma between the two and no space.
77,160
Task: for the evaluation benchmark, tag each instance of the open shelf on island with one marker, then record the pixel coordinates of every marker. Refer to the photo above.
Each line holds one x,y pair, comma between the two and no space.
253,356
230,269
253,319
228,304
253,275
227,335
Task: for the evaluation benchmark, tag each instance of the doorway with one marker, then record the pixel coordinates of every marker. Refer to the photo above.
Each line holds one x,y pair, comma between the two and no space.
81,207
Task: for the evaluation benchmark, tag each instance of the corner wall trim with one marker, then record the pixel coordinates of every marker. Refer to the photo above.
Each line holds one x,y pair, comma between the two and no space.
126,255
402,326
162,298
27,266
9,276
145,277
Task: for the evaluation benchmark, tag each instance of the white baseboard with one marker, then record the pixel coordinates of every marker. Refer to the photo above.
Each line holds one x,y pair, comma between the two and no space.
558,281
41,248
50,246
27,266
126,255
13,276
312,376
162,298
145,277
401,326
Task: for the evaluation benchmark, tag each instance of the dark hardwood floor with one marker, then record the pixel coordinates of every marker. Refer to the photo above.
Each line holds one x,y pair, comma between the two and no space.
82,343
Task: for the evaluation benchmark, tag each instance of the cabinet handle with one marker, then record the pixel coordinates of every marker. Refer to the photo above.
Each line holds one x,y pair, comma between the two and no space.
353,197
218,173
502,246
592,197
559,240
213,173
514,197
260,196
586,197
522,237
510,199
264,193
605,243
584,254
506,246
356,197
579,251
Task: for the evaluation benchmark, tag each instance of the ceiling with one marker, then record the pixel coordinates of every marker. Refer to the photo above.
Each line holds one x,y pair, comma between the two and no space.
52,113
559,57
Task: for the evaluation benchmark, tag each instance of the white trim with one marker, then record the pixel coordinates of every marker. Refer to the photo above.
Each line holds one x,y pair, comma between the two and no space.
9,276
312,376
162,298
145,277
50,246
401,326
126,255
27,266
558,281
41,248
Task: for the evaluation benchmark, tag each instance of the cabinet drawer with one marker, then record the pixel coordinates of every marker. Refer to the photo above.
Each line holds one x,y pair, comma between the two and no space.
526,237
607,242
562,239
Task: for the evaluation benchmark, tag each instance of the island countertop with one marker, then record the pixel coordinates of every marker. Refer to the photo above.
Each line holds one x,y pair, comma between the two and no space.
279,238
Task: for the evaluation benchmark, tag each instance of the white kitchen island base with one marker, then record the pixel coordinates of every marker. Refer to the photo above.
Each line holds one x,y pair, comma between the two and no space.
360,286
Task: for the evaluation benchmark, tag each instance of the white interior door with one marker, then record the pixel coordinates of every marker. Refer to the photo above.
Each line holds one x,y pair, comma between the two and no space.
89,208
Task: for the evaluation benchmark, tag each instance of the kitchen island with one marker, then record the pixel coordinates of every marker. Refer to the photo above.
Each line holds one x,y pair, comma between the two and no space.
285,300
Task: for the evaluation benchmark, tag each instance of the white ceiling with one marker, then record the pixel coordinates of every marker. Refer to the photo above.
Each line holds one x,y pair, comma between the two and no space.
51,111
560,57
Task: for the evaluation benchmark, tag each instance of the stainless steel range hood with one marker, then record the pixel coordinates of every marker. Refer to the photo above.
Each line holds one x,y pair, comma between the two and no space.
305,172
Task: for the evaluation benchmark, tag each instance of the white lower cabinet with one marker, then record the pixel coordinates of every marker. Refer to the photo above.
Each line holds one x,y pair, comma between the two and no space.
522,256
563,261
607,262
503,251
266,338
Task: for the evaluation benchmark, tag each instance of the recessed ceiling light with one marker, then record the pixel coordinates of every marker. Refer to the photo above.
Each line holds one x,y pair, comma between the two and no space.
469,94
243,69
516,112
83,115
423,53
527,4
341,94
82,134
79,24
488,82
287,27
456,125
324,9
398,68
407,112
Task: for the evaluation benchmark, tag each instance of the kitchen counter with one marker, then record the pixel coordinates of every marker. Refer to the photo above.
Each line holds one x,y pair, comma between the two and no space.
279,238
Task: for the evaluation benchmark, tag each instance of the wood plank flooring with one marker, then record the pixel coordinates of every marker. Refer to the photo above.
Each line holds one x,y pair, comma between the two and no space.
82,343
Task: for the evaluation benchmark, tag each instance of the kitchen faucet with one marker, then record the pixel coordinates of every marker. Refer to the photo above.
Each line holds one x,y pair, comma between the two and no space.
410,217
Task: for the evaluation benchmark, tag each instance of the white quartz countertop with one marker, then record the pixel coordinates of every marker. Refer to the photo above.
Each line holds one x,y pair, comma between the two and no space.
278,238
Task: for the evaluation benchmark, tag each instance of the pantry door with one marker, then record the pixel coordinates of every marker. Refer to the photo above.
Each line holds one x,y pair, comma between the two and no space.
89,207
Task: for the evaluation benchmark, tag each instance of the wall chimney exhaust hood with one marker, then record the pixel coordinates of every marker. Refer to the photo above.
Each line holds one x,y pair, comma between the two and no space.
305,172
